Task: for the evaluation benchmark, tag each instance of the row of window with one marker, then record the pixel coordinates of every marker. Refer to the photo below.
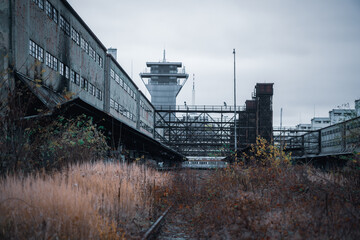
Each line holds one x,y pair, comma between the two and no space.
52,62
64,25
329,132
75,36
121,109
317,121
86,85
122,83
36,51
332,143
53,13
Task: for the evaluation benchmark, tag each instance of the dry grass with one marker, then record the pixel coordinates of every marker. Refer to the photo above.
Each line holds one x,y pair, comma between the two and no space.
291,202
88,201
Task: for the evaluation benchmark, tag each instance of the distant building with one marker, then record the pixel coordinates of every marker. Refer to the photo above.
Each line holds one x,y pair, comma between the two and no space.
319,122
357,107
164,82
335,116
341,115
303,126
257,118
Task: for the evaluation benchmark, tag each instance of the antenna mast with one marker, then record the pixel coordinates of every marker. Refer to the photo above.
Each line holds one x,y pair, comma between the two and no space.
193,91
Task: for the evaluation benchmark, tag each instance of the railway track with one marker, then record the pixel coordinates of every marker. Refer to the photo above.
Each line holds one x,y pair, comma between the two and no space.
154,229
169,226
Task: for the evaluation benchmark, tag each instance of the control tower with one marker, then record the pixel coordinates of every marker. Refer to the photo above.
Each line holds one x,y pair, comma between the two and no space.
164,82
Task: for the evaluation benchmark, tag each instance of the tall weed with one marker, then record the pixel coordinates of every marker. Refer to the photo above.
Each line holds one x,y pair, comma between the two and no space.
86,201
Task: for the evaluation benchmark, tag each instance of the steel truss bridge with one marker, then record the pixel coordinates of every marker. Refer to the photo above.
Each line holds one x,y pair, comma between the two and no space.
197,130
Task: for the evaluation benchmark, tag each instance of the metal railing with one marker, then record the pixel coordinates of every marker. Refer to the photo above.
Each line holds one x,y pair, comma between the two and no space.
199,108
178,71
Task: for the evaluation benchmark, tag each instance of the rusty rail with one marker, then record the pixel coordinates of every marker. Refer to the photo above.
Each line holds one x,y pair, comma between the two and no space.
150,233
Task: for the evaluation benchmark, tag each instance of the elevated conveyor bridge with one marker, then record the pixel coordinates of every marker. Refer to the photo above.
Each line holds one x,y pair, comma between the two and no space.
197,130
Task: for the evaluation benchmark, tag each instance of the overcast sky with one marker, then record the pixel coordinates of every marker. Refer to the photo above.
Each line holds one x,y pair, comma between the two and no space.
309,49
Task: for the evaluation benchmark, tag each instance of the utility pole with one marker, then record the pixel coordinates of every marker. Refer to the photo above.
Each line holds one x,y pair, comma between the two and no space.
235,138
281,143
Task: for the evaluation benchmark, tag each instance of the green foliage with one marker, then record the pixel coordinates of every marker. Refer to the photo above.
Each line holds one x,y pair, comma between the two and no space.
50,143
69,140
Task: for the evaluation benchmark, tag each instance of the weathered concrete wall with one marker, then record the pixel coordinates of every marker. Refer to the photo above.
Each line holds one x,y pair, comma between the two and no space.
146,115
5,54
123,91
33,23
38,30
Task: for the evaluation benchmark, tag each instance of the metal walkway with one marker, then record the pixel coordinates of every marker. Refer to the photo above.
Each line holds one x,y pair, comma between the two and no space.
197,130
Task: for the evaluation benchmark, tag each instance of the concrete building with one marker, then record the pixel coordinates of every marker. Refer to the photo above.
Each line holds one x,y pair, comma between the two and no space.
123,94
50,52
164,81
50,45
319,122
303,126
357,107
341,115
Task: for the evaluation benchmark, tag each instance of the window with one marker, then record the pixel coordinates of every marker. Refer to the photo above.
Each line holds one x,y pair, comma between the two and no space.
92,53
72,76
51,61
51,11
55,63
40,3
99,60
112,103
36,51
48,8
121,82
99,94
75,36
84,84
55,15
92,89
64,25
77,79
117,79
67,72
61,68
116,106
112,74
84,45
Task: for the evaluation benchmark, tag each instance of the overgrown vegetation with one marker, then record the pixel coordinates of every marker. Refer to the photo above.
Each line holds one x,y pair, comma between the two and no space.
49,143
86,201
264,196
